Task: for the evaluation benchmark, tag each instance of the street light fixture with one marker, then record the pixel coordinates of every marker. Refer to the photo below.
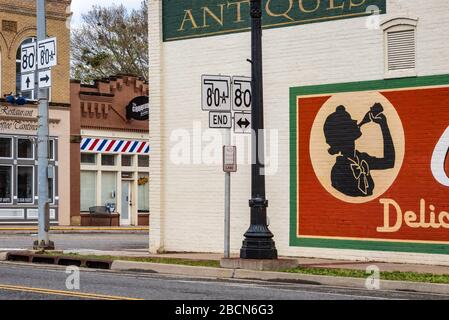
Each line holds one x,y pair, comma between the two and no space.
258,243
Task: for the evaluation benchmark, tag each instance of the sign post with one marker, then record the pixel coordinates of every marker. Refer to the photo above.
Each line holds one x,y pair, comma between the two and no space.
46,58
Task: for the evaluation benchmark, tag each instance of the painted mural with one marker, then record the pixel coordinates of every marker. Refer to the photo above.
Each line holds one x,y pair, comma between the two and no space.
369,165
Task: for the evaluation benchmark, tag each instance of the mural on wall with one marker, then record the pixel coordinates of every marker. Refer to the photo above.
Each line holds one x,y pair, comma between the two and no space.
369,165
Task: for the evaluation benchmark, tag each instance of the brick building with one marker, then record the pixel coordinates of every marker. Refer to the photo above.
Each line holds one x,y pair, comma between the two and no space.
109,128
18,124
356,101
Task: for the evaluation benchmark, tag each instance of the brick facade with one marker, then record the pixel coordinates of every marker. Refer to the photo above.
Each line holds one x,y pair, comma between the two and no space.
19,23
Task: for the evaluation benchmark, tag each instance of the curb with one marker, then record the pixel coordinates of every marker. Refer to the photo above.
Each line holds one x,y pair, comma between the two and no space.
240,274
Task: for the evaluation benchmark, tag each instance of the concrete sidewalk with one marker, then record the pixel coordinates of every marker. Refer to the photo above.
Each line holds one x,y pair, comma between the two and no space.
303,262
71,229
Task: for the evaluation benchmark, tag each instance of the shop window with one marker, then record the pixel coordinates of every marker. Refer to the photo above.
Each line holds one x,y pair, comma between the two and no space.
88,158
51,149
144,161
88,186
25,180
5,184
5,148
143,192
127,161
51,186
31,95
107,160
25,149
108,187
400,47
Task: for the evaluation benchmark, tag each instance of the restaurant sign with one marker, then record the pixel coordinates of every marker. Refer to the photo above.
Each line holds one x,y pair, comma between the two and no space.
198,18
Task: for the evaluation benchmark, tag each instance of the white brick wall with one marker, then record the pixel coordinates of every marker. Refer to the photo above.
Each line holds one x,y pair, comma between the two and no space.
187,200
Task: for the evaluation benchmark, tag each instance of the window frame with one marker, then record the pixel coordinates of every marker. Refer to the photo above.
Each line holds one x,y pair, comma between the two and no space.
11,148
33,184
12,185
33,157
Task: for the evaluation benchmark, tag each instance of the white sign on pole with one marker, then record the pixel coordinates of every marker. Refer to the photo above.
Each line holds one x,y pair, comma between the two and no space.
220,120
241,94
215,93
45,79
27,81
47,55
242,122
229,159
28,58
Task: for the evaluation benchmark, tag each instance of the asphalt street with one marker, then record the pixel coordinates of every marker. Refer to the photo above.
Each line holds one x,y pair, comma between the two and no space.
22,281
67,241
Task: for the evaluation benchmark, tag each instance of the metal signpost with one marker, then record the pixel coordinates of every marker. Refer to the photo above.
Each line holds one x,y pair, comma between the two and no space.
36,60
221,96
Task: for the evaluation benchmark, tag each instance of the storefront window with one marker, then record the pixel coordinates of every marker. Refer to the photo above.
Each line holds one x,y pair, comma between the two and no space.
88,184
127,161
51,195
108,187
107,160
5,148
51,149
88,158
143,192
5,184
25,149
144,161
25,179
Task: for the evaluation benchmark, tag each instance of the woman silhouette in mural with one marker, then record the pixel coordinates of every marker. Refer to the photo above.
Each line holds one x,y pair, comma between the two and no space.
351,174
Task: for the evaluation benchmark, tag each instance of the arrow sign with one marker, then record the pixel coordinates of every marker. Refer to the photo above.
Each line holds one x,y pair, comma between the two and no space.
27,82
242,122
45,79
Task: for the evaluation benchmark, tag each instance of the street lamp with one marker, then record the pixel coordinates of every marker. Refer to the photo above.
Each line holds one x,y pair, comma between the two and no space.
258,243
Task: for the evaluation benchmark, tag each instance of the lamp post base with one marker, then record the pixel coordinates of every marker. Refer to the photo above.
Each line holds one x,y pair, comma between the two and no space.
259,249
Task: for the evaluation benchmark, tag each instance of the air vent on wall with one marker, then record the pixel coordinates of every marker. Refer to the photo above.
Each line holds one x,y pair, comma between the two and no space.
401,50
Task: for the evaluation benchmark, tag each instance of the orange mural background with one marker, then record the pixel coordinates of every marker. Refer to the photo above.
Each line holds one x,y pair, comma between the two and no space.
425,117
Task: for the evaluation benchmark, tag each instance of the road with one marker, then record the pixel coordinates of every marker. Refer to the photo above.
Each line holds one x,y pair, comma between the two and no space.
67,241
22,281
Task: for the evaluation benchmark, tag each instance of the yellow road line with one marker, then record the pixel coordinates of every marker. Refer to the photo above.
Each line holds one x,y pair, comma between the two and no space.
64,293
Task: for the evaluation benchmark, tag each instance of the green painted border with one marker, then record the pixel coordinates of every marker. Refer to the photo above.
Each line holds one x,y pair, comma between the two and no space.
351,244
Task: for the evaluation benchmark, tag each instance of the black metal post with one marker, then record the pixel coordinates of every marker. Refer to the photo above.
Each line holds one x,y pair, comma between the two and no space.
258,243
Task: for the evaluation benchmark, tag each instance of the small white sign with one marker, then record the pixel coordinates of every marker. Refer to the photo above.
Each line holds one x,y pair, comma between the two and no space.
45,79
28,58
241,94
242,122
230,159
27,82
215,93
220,120
47,55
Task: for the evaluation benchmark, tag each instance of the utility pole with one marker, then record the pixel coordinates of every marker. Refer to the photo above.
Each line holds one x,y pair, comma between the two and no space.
43,242
258,243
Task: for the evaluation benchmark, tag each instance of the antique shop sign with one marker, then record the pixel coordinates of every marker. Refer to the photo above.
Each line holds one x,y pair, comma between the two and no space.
198,18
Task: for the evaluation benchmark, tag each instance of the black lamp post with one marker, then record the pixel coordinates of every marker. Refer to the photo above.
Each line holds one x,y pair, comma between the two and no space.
258,243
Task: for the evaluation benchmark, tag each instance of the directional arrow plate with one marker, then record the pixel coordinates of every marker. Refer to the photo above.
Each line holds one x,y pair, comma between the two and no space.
45,79
242,122
27,81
